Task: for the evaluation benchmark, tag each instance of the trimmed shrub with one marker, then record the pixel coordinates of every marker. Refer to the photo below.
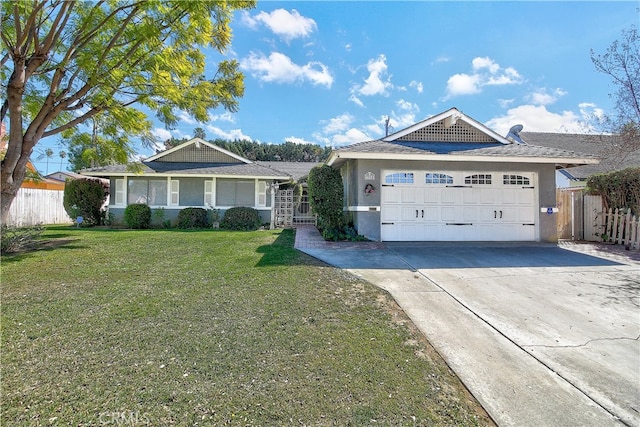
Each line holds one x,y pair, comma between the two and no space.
15,239
137,216
192,218
241,218
326,196
619,189
85,197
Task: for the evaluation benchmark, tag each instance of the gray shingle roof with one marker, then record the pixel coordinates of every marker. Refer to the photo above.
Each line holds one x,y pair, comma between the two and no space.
297,170
464,149
209,169
601,146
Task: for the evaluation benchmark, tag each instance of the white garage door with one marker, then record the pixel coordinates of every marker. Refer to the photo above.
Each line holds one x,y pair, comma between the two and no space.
458,206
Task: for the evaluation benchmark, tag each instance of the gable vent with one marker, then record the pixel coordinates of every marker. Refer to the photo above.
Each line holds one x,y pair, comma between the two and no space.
198,154
438,132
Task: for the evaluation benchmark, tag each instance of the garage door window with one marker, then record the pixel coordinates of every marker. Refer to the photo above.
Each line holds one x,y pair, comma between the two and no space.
515,180
399,178
480,179
438,178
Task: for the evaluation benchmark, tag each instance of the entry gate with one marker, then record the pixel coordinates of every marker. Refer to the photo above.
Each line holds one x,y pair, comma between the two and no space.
291,210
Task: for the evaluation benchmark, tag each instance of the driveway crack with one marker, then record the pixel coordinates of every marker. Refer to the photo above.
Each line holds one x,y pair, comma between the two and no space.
585,344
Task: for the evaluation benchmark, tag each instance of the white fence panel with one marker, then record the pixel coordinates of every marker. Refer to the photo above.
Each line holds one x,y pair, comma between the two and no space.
32,206
593,220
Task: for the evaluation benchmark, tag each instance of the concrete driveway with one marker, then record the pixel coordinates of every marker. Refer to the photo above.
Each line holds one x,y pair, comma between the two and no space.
541,335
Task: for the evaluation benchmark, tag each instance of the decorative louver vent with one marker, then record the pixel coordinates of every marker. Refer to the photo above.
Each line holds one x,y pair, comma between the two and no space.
437,132
193,154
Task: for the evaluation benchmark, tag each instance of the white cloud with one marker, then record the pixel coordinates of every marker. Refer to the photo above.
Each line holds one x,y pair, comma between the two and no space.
230,135
297,140
536,118
417,85
338,131
337,124
486,72
279,68
504,103
463,84
352,136
161,134
406,105
224,117
541,97
287,25
356,100
186,118
378,82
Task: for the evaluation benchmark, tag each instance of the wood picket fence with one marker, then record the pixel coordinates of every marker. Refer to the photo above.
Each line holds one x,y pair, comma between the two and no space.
620,228
34,206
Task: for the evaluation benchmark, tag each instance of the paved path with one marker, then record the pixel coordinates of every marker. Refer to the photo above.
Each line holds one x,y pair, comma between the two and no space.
541,334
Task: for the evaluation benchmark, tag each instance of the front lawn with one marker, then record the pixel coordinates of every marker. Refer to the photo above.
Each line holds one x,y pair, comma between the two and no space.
119,327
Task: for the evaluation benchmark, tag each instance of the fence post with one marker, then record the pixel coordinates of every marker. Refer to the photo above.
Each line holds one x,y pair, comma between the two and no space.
609,224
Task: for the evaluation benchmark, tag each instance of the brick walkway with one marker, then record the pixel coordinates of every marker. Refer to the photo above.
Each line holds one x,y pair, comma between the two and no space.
308,236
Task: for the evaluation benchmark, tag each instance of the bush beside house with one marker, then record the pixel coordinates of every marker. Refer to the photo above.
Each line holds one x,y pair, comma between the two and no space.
85,197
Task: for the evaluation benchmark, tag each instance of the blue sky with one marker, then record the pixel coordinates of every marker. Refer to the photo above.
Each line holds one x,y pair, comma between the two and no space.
331,72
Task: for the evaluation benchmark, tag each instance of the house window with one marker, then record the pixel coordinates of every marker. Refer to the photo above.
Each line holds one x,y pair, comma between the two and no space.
481,179
152,192
399,178
438,178
515,180
234,192
191,192
119,193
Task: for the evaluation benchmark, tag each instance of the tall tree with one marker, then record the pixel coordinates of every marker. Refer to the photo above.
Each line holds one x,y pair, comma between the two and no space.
621,62
199,133
64,61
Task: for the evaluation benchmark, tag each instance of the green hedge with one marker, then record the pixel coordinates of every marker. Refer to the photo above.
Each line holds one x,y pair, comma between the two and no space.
241,218
85,197
192,218
137,216
619,189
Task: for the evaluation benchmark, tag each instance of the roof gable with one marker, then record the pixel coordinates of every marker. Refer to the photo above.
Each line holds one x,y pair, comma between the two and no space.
197,150
449,126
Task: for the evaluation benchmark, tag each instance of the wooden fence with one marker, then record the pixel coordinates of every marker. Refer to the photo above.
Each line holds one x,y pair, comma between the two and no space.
32,206
620,227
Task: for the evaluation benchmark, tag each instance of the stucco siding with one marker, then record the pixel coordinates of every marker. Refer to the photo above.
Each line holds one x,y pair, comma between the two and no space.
368,222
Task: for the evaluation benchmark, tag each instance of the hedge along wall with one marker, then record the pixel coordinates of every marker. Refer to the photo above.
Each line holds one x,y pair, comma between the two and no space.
619,189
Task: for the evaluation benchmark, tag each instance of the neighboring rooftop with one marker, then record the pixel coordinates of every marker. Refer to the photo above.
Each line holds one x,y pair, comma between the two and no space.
604,147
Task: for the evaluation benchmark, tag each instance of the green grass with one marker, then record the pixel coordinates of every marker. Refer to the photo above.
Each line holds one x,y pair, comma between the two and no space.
120,327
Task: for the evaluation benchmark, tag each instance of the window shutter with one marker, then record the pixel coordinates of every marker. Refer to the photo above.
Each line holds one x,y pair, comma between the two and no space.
262,193
119,192
175,192
208,193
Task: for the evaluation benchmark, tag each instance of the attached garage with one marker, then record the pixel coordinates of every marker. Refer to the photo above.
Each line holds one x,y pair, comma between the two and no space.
449,178
458,206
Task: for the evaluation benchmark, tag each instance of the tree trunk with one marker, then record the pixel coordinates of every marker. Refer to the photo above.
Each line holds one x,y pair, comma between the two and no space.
12,173
8,193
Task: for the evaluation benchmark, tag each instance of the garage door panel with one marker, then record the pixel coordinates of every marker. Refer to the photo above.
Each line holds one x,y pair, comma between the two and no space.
432,214
432,196
501,210
408,196
452,195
